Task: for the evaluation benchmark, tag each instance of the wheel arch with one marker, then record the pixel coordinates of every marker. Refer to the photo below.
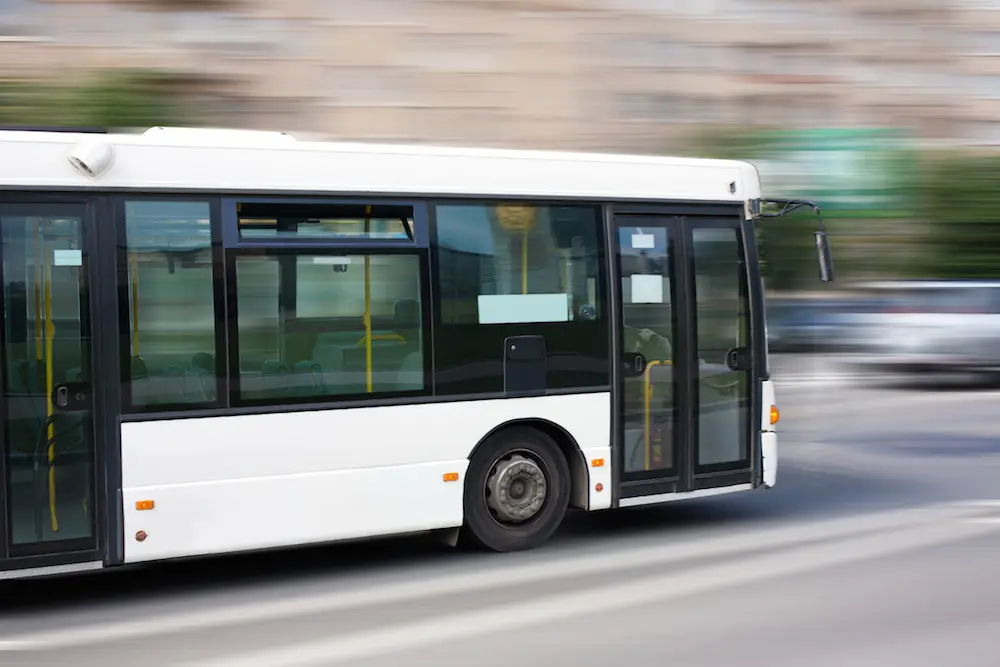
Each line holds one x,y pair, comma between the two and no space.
579,496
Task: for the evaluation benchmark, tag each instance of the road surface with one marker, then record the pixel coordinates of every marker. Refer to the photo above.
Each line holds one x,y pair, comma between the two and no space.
878,547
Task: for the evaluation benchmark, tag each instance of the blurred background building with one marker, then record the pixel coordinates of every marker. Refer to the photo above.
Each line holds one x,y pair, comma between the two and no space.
638,75
886,112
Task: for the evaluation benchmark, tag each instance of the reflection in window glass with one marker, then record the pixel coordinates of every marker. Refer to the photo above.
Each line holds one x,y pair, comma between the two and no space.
171,304
283,220
46,341
723,323
649,402
302,327
504,264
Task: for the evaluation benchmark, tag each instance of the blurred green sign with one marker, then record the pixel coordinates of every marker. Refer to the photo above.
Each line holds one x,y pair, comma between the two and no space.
852,172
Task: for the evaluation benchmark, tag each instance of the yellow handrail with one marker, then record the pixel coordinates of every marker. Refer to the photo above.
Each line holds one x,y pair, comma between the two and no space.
647,397
50,333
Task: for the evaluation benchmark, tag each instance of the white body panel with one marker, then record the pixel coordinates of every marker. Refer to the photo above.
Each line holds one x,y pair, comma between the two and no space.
212,160
768,435
225,484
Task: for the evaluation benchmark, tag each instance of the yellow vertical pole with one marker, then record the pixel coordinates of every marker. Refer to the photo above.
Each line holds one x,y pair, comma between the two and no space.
647,422
368,306
39,334
49,382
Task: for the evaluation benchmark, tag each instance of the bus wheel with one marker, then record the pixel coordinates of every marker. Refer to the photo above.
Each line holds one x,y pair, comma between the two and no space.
517,490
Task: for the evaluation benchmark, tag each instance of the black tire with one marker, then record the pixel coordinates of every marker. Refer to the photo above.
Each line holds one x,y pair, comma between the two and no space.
483,525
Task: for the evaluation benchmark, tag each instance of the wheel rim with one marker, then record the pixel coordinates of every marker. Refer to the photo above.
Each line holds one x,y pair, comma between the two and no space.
516,489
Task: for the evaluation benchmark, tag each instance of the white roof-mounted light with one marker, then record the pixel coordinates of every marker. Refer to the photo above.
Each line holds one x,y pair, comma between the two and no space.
92,157
198,136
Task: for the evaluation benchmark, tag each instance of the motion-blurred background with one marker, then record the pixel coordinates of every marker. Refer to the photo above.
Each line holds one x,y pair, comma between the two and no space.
886,113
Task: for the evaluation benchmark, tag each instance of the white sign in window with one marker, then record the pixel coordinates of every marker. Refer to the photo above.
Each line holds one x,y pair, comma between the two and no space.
642,241
647,289
67,257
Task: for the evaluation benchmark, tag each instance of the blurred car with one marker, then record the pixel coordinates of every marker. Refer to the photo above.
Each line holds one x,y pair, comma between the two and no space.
929,327
815,325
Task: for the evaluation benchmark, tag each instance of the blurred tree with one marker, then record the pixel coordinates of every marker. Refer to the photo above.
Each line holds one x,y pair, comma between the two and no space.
961,205
788,260
107,99
872,222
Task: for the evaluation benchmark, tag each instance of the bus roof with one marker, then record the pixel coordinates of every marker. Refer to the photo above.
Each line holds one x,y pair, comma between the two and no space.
187,159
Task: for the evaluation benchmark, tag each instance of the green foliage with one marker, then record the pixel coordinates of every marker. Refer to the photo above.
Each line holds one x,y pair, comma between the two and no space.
788,259
960,201
111,99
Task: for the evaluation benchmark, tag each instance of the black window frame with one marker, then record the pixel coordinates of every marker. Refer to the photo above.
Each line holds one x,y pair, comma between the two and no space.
227,244
600,245
237,400
737,225
603,323
221,402
232,239
236,246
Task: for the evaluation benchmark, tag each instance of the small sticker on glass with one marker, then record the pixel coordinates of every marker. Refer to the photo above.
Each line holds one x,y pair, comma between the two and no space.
67,257
642,241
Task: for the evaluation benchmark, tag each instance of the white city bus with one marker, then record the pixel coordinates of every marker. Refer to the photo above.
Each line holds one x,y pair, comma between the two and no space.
217,341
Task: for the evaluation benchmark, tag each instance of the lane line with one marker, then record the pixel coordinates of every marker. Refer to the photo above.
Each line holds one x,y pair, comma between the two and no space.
984,502
364,594
598,601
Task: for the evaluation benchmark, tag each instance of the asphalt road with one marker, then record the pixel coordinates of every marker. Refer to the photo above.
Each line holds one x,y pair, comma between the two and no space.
878,547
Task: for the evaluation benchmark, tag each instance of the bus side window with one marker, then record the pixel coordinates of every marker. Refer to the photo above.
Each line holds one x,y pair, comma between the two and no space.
505,271
171,313
303,334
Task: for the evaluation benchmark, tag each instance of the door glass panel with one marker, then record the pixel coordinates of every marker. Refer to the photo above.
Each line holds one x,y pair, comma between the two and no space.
723,324
649,387
48,454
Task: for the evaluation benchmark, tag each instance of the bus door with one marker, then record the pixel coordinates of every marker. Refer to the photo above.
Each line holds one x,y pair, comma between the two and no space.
683,387
47,467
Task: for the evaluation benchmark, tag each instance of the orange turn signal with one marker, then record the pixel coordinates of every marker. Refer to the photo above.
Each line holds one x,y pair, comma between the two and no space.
775,415
451,477
597,463
141,505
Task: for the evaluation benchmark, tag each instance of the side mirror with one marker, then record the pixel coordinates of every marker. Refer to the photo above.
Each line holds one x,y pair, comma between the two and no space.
823,254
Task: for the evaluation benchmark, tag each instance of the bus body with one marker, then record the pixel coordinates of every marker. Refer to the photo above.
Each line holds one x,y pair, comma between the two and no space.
217,341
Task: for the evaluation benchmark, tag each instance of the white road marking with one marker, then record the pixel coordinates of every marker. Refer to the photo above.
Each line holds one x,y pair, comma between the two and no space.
597,601
355,594
988,520
984,502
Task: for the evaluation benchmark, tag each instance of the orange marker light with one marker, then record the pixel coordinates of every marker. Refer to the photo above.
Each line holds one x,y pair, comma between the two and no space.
451,477
141,505
597,463
775,415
